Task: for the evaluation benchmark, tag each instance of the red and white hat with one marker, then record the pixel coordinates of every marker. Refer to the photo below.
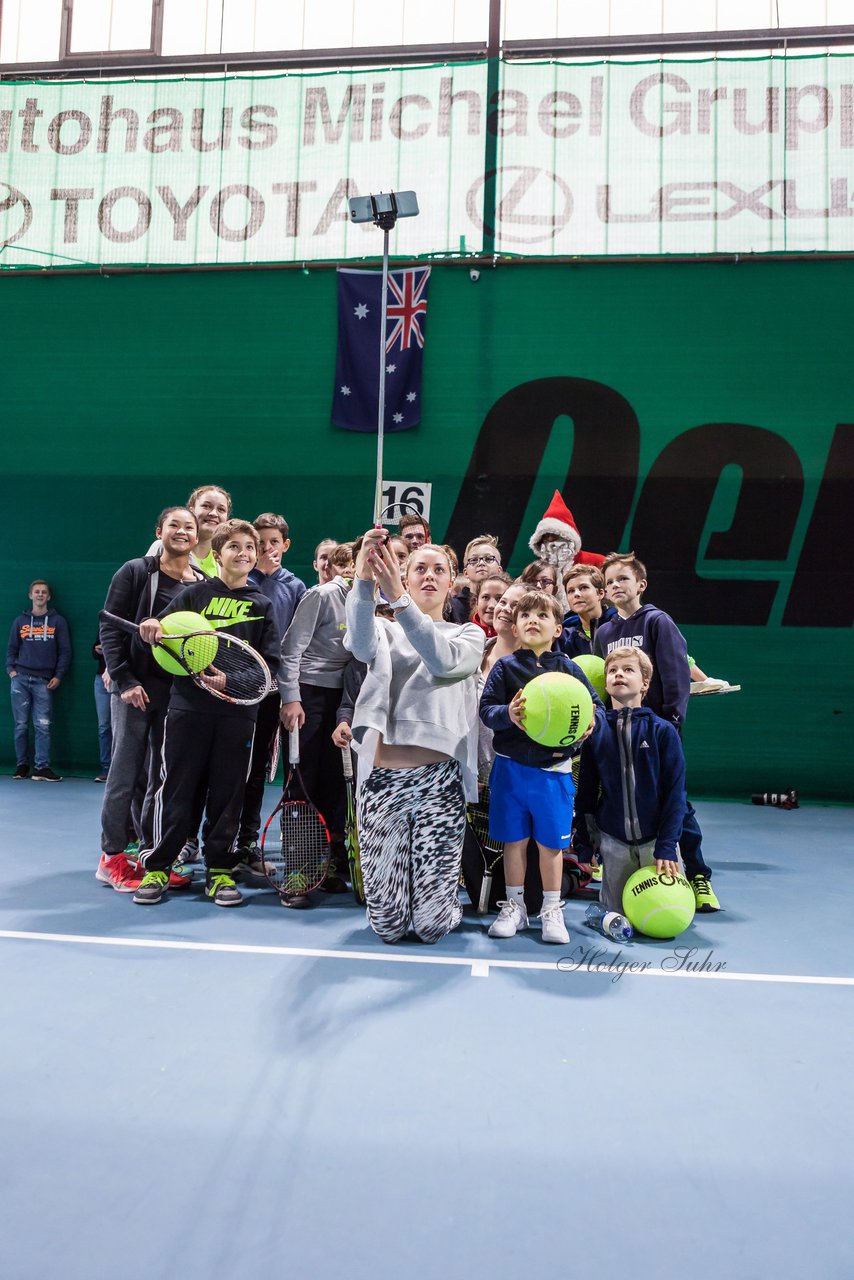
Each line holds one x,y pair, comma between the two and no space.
558,522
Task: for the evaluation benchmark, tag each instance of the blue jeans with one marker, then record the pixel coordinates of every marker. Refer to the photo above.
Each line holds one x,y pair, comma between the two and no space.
105,732
30,695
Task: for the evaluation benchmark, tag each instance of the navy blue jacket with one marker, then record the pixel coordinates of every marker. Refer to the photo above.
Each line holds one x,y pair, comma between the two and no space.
636,759
506,678
572,641
284,590
657,634
39,645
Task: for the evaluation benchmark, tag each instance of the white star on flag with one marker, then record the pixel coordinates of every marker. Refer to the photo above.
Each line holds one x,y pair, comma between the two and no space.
411,397
361,311
398,417
345,391
391,368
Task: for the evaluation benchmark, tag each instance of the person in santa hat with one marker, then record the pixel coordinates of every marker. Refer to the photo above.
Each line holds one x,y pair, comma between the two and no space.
557,541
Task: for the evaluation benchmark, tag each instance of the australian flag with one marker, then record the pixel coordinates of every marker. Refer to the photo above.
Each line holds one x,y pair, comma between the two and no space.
355,403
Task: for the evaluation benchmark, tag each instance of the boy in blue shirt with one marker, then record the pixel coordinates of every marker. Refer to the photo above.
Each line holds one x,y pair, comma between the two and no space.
531,785
631,785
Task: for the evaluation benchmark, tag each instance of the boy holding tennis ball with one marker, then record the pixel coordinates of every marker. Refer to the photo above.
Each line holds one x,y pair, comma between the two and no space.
531,785
207,742
631,786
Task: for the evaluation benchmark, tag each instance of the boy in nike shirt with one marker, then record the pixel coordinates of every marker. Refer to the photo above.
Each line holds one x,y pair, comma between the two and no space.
207,742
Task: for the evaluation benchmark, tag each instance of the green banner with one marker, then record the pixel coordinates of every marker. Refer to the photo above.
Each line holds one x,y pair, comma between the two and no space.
607,158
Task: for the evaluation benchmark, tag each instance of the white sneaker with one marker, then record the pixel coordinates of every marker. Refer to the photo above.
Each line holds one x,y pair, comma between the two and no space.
554,926
511,918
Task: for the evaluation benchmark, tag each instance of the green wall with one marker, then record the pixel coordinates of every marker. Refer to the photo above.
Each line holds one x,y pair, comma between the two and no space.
120,393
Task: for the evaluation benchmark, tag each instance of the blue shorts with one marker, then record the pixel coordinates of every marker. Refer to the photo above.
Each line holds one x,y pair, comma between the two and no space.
525,802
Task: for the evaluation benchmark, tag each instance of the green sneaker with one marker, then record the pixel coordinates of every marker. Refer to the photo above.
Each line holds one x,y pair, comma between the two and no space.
131,850
704,895
151,888
221,889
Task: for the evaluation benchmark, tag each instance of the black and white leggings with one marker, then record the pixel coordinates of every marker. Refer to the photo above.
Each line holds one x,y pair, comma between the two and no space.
412,824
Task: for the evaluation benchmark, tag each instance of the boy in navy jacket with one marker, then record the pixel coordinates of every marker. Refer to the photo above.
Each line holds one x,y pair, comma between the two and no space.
656,633
631,786
531,785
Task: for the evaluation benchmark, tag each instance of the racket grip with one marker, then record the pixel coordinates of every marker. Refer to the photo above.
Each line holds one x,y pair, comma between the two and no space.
293,746
485,890
347,763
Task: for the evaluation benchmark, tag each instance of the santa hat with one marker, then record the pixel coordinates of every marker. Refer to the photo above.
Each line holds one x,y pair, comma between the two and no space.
558,521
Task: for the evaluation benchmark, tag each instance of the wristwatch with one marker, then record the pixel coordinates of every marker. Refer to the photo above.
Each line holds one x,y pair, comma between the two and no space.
400,603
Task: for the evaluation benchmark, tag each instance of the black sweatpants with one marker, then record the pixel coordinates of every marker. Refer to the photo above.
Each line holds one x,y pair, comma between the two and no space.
265,731
320,760
209,752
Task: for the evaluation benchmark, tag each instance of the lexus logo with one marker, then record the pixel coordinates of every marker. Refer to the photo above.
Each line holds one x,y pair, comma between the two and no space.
531,204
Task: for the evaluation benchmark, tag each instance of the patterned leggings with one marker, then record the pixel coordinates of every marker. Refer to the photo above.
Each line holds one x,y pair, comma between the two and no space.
412,823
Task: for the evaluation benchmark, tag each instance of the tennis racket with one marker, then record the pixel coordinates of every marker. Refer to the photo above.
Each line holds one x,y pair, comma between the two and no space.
491,850
351,834
275,751
223,665
295,845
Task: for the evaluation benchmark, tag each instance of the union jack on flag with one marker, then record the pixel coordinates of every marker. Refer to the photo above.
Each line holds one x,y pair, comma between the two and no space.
355,400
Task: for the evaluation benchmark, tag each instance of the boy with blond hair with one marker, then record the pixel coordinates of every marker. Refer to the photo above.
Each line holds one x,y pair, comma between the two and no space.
655,632
631,786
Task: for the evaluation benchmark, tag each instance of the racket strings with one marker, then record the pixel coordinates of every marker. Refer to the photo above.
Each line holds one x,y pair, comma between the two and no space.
232,670
296,848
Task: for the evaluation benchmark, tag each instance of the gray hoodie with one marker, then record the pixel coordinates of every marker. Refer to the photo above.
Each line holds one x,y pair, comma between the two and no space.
313,648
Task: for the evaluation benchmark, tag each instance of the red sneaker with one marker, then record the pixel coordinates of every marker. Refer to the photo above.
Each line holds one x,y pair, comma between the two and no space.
118,873
180,877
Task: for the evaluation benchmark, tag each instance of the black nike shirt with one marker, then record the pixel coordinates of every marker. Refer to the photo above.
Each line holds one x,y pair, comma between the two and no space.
243,612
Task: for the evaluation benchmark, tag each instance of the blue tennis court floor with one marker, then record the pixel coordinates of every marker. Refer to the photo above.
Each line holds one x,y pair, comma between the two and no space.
224,1095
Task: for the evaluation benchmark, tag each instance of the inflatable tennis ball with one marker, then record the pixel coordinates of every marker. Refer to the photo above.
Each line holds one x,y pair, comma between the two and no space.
558,709
594,668
198,652
660,906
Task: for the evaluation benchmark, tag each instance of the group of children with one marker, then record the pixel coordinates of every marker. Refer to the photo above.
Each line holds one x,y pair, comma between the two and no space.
187,769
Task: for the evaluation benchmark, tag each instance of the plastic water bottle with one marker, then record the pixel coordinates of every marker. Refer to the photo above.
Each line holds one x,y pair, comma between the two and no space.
610,923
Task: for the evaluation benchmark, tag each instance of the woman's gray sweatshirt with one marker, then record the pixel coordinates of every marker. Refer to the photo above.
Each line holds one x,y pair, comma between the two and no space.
420,690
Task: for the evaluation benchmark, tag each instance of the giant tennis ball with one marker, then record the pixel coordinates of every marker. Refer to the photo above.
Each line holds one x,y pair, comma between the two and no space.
198,652
558,709
594,668
660,906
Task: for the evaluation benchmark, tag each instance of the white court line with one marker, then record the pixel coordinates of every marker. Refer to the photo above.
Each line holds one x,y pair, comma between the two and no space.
478,965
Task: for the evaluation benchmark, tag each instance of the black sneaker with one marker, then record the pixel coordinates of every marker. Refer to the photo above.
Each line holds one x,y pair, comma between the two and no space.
250,864
151,889
45,775
334,884
221,889
22,771
296,901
